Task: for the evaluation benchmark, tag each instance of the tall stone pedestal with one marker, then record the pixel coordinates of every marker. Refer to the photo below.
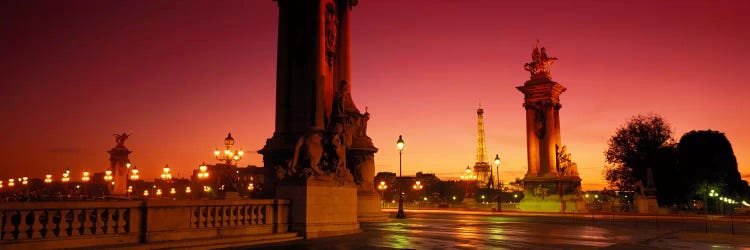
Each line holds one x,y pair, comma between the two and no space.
118,158
321,208
544,195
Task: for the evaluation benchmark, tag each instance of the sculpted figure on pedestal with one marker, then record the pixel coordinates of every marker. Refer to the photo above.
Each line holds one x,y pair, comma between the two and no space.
540,63
120,139
565,164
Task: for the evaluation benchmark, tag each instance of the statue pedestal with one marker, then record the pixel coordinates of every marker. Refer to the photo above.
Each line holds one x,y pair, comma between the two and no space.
646,204
321,207
368,207
543,195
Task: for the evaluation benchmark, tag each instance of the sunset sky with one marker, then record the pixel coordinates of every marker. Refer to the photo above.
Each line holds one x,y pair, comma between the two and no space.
179,75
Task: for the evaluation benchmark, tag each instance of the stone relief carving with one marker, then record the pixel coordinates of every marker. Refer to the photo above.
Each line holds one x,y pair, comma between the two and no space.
331,29
540,63
565,164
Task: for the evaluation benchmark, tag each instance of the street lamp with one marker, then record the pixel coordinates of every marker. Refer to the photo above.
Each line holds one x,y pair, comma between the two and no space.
172,191
165,175
400,146
468,175
228,155
47,179
66,176
85,177
187,190
134,174
11,182
25,180
382,186
108,175
417,185
499,193
202,174
250,187
130,190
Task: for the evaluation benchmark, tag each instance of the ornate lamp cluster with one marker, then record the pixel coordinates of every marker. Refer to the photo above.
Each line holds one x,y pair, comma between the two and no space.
48,178
134,174
229,155
108,175
85,177
66,176
165,175
468,175
417,185
202,171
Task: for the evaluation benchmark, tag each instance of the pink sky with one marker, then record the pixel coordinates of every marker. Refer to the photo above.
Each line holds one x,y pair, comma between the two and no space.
180,75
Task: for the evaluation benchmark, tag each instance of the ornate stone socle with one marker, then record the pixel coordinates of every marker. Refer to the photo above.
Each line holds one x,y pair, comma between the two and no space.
551,182
118,158
320,157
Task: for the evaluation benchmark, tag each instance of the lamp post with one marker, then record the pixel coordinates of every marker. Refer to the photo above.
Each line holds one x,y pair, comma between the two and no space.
497,167
47,179
400,146
382,186
134,174
417,187
108,175
228,155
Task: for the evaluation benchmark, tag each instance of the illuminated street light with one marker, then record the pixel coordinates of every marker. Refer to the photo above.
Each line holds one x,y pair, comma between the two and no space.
229,155
468,175
145,193
165,173
417,185
202,173
108,175
497,167
85,177
187,190
158,192
11,182
172,191
250,187
130,189
400,146
25,180
134,174
48,178
66,176
382,186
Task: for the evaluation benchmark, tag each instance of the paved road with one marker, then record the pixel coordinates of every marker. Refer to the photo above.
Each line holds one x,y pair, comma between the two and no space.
482,230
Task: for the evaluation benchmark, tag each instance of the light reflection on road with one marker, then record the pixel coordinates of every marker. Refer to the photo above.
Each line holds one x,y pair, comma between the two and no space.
513,231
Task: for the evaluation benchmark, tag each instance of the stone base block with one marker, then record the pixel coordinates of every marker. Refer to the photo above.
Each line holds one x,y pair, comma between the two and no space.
368,208
646,204
552,195
321,207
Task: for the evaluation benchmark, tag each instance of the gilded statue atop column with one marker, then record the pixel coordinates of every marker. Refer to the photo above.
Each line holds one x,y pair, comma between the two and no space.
540,63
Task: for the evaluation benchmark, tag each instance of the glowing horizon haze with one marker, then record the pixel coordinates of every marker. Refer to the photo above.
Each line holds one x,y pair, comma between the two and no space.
179,76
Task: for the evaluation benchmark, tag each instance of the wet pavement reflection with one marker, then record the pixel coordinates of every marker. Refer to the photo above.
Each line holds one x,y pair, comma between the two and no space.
501,231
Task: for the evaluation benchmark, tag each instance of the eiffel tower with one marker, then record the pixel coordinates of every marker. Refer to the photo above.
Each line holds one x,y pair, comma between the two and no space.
482,169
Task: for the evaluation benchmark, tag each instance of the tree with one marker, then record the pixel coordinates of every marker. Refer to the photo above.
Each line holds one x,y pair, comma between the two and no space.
707,160
642,143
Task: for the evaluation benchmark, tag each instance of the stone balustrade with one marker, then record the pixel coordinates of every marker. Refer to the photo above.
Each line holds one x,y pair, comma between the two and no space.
100,223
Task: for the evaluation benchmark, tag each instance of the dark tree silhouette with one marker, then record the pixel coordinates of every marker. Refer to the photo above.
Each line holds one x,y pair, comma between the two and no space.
645,141
707,160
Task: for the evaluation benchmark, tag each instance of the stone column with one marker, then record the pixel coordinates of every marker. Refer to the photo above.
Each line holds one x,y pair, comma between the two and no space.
118,158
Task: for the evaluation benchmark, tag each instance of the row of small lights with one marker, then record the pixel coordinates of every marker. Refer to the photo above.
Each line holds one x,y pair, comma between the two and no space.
728,200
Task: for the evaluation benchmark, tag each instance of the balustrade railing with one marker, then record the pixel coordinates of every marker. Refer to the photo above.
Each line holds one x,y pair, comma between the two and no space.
60,220
100,223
